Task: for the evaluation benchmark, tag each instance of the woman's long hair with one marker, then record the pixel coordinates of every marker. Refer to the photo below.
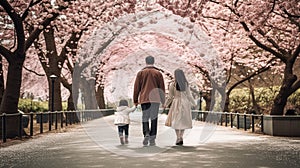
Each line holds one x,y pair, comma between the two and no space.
180,80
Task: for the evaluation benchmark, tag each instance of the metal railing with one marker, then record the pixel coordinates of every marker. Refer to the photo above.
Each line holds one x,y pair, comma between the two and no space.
57,119
238,120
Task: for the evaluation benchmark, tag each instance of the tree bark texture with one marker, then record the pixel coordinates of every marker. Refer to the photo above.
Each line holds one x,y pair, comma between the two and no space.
100,97
285,90
9,104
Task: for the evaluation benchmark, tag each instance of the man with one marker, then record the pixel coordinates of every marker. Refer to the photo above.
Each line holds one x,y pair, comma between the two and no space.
149,91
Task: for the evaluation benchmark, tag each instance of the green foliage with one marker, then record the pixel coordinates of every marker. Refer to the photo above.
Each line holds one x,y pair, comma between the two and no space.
64,106
29,105
240,99
294,100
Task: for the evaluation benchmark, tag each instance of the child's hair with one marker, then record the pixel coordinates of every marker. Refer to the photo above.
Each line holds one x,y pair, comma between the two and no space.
123,102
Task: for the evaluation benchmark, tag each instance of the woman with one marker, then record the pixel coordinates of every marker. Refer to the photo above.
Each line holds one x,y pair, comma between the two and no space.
181,100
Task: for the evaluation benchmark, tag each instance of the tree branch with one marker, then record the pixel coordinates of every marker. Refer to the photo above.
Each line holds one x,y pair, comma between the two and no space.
31,4
29,70
6,53
259,71
71,44
297,52
18,26
36,32
257,42
274,44
65,83
41,56
263,46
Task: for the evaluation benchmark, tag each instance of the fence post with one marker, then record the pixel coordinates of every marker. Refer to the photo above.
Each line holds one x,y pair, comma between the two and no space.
221,119
41,122
252,122
238,120
262,123
200,116
71,118
79,116
31,123
76,117
245,122
231,119
67,118
4,127
82,116
20,125
61,119
226,119
56,120
50,120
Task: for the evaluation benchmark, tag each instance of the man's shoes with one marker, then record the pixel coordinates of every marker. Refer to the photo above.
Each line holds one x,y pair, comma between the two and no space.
146,140
152,142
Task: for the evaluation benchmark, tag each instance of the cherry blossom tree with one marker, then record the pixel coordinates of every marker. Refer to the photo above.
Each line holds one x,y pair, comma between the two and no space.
273,26
15,15
64,35
24,21
229,45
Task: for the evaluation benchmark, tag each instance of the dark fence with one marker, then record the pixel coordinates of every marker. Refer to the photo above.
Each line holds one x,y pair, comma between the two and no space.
238,120
52,119
60,119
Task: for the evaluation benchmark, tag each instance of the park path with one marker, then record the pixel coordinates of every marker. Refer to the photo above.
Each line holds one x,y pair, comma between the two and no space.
96,144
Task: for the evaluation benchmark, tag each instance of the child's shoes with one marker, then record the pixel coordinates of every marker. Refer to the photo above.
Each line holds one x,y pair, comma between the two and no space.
122,140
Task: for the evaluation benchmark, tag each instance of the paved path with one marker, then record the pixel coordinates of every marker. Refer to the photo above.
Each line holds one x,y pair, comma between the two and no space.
96,144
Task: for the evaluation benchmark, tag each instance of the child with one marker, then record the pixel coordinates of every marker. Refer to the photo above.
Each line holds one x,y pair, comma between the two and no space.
122,120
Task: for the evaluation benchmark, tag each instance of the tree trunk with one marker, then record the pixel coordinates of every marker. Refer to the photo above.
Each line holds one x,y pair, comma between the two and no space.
71,105
9,104
76,82
57,102
88,92
1,81
226,105
51,68
212,100
224,97
100,97
285,91
256,107
207,98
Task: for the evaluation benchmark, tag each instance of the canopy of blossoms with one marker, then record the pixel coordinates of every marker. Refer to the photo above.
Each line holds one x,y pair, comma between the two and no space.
119,49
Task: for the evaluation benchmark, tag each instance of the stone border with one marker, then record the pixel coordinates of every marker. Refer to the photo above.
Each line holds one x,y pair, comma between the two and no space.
282,125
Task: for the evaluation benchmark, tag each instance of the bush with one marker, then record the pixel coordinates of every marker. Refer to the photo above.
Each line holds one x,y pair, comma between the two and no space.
240,99
28,105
